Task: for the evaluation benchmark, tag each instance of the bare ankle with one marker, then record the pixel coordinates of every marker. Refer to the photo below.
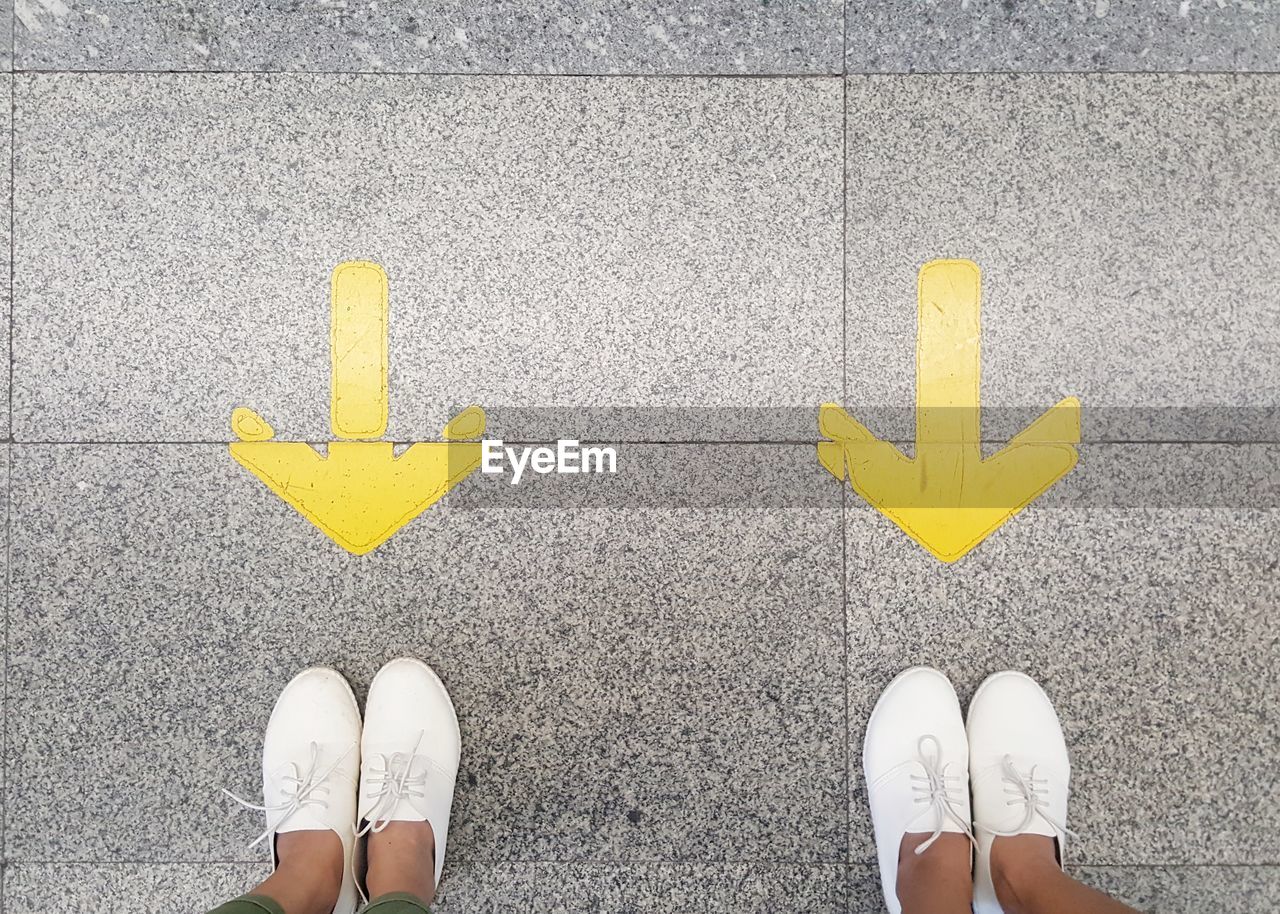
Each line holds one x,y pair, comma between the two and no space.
309,875
947,858
938,880
1020,864
402,859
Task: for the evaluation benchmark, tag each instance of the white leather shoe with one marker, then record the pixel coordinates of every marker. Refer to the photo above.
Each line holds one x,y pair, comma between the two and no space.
411,747
916,763
1019,769
310,762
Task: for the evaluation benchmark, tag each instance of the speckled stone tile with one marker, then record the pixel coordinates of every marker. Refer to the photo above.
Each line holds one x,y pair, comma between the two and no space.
6,37
6,199
143,888
1189,889
635,684
550,243
436,36
4,576
551,888
545,888
1166,889
1125,228
1152,626
941,36
678,888
864,894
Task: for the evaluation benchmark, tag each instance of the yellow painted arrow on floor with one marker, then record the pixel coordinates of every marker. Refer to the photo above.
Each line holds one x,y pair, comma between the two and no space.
360,492
948,499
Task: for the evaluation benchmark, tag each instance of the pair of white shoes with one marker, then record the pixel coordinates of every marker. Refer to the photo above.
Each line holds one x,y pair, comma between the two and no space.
321,770
921,760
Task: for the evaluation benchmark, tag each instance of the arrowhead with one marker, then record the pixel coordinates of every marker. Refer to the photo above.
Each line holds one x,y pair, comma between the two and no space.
948,499
360,493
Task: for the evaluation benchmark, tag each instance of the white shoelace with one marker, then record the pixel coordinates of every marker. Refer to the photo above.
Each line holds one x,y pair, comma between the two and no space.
389,781
301,790
1032,793
934,789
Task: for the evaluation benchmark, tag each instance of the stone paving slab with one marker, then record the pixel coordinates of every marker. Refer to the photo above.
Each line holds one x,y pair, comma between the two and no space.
1092,36
6,201
547,36
1126,233
634,683
4,633
553,888
614,36
466,889
1152,628
6,37
550,242
1189,889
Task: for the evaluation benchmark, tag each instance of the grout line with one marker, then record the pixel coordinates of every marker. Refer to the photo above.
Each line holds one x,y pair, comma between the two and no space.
629,864
844,38
844,241
491,74
844,611
8,509
618,864
4,689
652,442
606,440
847,798
447,74
1031,74
13,146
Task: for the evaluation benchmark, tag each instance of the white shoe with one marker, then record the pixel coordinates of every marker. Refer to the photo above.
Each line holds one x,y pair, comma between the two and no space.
411,747
310,761
1019,769
916,764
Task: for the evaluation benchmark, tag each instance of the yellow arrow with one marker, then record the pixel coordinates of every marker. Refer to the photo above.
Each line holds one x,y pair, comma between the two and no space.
358,306
948,499
360,492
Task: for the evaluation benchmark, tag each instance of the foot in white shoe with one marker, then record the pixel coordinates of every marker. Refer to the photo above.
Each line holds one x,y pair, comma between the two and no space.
1019,770
411,748
915,760
310,762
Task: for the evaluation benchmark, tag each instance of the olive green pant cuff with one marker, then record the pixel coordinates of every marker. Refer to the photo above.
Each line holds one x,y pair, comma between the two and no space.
391,903
250,904
397,903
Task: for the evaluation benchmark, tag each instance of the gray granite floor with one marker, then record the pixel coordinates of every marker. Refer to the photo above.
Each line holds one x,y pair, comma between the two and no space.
676,227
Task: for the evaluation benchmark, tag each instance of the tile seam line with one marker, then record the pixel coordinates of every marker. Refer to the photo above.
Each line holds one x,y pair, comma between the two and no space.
842,517
617,864
450,74
626,864
494,74
844,40
8,503
646,442
8,485
601,440
849,756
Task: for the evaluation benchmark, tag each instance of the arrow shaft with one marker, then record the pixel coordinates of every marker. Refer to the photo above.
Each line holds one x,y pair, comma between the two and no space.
358,306
948,356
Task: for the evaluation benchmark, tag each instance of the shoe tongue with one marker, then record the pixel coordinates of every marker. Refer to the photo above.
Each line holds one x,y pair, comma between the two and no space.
993,781
948,827
1038,826
307,818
